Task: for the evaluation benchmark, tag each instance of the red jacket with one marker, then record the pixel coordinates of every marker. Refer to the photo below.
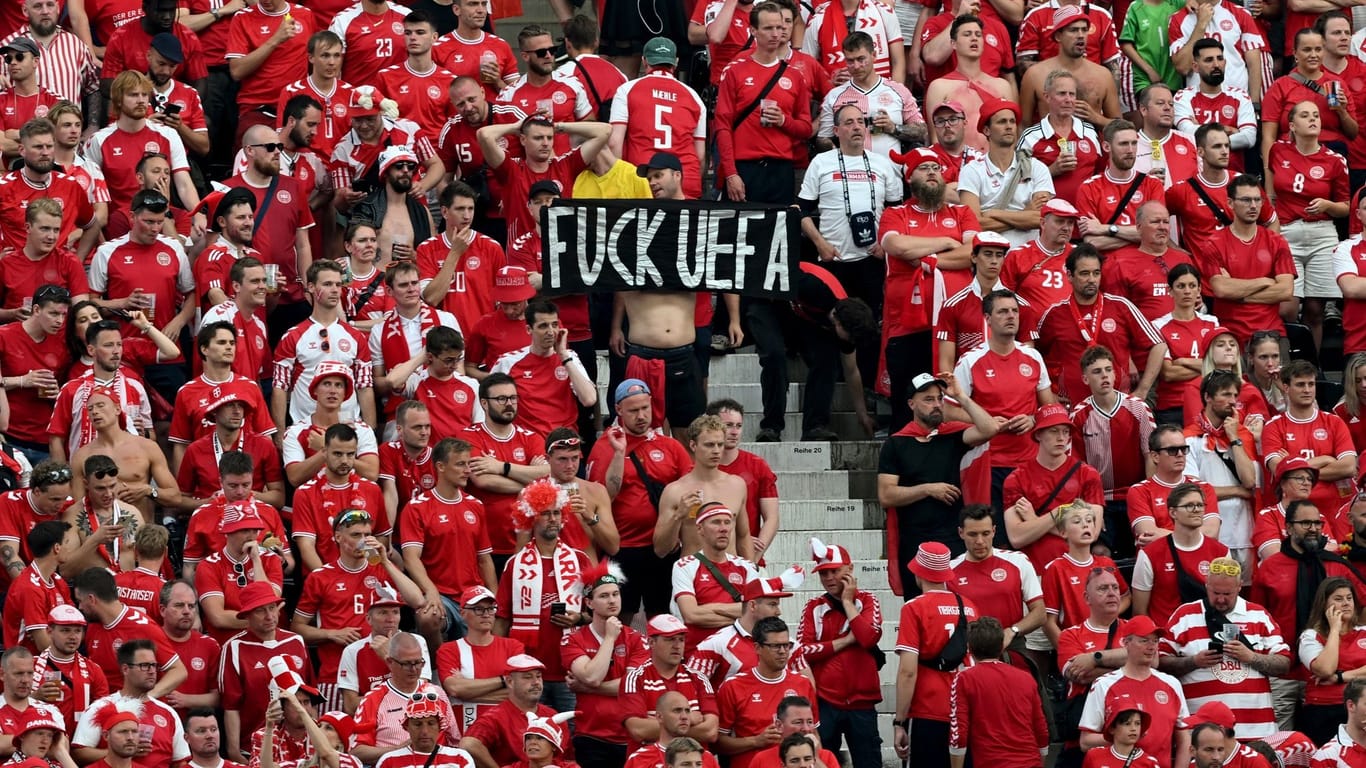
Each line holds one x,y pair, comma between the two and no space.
847,678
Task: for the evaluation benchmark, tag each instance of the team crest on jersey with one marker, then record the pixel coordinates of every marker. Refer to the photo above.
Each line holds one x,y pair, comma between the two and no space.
397,28
198,664
1361,642
151,146
1230,671
473,262
371,582
1228,112
559,97
991,40
656,455
40,111
339,110
433,92
1138,198
461,397
283,197
358,502
160,720
1226,25
1160,697
1320,434
1108,325
950,222
1316,172
260,343
164,259
784,83
1203,567
561,373
470,518
998,575
1181,149
1026,369
519,454
344,345
427,481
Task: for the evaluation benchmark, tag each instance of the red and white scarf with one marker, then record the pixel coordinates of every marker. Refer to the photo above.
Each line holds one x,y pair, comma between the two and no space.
394,344
527,578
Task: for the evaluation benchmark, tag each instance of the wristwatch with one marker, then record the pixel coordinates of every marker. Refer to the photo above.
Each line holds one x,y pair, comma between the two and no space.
1015,630
1097,656
1113,230
1236,443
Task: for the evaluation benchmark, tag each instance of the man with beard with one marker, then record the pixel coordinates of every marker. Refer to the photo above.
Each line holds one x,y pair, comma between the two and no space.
117,148
462,156
505,458
919,468
1068,145
70,428
1139,272
233,217
1248,60
982,185
950,128
282,230
1286,583
591,528
303,159
126,49
175,104
1089,317
566,98
922,235
34,345
495,738
138,662
42,257
325,88
1109,201
1186,200
402,218
397,340
1163,153
66,65
200,653
81,682
1211,101
1097,95
375,127
968,86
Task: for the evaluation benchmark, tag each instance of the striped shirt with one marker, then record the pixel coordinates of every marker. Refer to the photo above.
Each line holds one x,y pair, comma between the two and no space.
65,66
1244,689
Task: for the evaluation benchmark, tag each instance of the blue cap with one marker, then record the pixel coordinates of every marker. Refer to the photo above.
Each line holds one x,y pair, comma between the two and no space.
631,387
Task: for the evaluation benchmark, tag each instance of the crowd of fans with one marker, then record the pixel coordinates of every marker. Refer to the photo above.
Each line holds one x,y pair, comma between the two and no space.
303,467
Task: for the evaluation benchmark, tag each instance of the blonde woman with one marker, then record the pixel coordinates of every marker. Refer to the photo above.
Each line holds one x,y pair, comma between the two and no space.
1349,408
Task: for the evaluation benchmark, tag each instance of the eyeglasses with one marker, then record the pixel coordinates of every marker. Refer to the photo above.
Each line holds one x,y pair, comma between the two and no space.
52,477
540,52
326,345
143,666
241,574
1174,450
564,442
1308,523
931,167
502,399
777,646
414,664
1299,478
10,58
1194,506
450,362
942,122
1225,569
1248,200
481,610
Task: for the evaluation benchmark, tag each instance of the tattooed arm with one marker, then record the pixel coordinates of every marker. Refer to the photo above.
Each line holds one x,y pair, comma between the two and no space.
9,555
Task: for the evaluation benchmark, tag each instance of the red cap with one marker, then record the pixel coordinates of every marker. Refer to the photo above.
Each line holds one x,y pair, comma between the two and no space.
991,108
113,716
364,101
1060,207
1207,340
522,663
342,723
511,285
39,718
1067,15
1216,712
772,587
993,239
1051,415
1119,704
332,368
256,595
950,105
475,595
665,625
828,557
240,517
1292,464
1140,626
931,563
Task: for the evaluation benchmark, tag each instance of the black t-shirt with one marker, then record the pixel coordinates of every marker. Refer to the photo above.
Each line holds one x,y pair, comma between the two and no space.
814,303
935,461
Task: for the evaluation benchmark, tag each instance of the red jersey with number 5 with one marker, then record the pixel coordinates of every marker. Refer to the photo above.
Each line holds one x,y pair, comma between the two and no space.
662,114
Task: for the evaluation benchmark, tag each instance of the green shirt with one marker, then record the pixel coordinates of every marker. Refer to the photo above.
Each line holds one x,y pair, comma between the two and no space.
1145,26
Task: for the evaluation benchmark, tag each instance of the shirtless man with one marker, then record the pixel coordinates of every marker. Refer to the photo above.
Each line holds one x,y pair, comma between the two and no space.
144,476
102,524
966,84
706,483
1097,99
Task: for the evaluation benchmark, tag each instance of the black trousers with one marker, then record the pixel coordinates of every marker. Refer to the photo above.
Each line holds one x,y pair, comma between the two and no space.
907,356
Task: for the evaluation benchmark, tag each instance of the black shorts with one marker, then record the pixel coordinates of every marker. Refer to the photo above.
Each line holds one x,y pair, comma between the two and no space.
649,579
683,396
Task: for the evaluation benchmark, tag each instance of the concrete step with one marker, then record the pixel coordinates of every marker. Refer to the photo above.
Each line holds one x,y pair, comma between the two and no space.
744,367
844,423
809,518
796,548
830,484
792,457
750,395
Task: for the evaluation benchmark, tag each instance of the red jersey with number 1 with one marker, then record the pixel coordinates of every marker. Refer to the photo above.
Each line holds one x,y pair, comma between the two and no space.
927,623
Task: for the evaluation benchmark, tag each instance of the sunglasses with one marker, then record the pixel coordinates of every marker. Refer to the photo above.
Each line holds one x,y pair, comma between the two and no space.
50,293
351,517
239,571
1225,569
1175,450
421,695
540,52
10,58
271,146
149,200
404,165
326,345
564,442
52,477
100,474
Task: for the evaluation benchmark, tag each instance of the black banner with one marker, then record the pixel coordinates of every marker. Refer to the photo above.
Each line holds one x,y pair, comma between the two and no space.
685,245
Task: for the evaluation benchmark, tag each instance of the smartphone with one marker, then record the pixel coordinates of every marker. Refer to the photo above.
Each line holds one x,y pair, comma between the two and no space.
171,109
558,609
1217,646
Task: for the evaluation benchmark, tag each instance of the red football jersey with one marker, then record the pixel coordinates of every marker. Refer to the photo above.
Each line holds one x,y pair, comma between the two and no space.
141,589
927,623
202,537
318,501
662,114
517,178
335,597
82,684
1348,259
249,30
200,653
411,477
127,49
275,235
1036,34
372,42
1064,587
1184,339
336,110
520,446
1099,196
664,458
421,96
910,288
1067,329
546,399
117,153
452,403
1147,500
19,354
1000,586
1300,179
459,658
1155,572
739,717
30,598
220,576
1283,93
161,269
1038,276
470,295
962,322
741,83
493,336
600,716
1159,695
1141,277
244,676
997,55
563,97
1113,441
1035,482
190,420
760,483
463,58
22,276
1006,386
737,40
102,642
1322,434
16,192
1266,255
1084,638
442,526
199,474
